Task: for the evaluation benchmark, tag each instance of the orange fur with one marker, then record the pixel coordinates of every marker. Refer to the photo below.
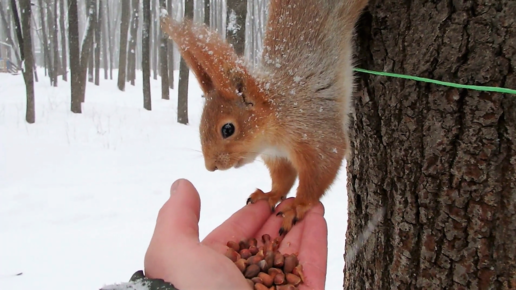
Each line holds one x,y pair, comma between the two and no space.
292,109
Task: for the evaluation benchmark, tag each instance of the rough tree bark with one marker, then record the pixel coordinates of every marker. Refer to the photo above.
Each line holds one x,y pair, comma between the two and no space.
146,31
75,56
63,39
235,24
122,55
440,161
163,59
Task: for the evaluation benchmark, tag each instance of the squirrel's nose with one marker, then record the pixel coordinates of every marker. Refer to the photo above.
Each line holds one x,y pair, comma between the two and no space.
211,167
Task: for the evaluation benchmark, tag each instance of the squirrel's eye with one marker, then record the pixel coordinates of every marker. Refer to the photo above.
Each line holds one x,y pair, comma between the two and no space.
227,130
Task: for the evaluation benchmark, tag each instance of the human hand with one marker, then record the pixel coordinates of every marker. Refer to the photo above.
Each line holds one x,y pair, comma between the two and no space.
176,255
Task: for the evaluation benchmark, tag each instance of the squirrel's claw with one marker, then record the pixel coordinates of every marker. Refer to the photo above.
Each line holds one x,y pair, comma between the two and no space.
292,214
271,197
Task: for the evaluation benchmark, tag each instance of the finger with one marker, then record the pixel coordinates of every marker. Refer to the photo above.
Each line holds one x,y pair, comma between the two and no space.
179,216
241,225
313,252
292,241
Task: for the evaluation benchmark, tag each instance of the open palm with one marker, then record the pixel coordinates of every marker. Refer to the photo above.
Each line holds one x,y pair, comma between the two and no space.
176,254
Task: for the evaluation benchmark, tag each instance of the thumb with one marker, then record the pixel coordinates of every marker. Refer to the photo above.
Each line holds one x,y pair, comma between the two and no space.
177,226
178,219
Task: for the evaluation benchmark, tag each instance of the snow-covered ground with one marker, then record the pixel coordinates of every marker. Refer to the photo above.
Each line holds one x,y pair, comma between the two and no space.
79,194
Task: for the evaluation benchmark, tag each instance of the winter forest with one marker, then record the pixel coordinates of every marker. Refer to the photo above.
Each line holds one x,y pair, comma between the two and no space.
100,114
117,35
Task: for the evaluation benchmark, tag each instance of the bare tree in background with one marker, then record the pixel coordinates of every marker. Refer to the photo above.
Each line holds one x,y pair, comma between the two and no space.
103,18
23,32
155,39
122,56
87,47
55,41
182,95
8,35
75,56
163,59
147,104
131,58
170,50
46,51
207,12
110,38
63,38
235,24
98,41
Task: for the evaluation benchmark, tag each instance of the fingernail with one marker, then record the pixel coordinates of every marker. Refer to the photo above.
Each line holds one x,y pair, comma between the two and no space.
175,186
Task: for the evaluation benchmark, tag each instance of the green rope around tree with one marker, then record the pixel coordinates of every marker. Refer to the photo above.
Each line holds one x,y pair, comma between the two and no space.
420,79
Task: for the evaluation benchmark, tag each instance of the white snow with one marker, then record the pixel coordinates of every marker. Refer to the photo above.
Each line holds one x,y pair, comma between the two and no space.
79,193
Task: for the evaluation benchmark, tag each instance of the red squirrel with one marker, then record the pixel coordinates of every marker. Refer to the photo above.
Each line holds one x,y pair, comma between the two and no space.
292,109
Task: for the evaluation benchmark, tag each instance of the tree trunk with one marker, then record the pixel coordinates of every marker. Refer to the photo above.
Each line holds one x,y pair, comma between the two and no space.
101,21
110,38
155,40
8,35
146,55
170,50
182,94
75,56
131,71
48,61
163,59
55,41
23,32
439,160
98,42
63,39
235,24
87,45
122,55
207,12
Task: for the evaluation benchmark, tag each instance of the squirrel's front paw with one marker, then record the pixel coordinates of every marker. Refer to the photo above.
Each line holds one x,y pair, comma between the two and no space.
271,197
292,214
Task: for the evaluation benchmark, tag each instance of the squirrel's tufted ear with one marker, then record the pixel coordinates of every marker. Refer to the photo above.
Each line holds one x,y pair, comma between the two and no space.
213,61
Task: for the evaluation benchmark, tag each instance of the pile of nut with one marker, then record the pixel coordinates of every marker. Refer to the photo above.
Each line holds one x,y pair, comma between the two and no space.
265,268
